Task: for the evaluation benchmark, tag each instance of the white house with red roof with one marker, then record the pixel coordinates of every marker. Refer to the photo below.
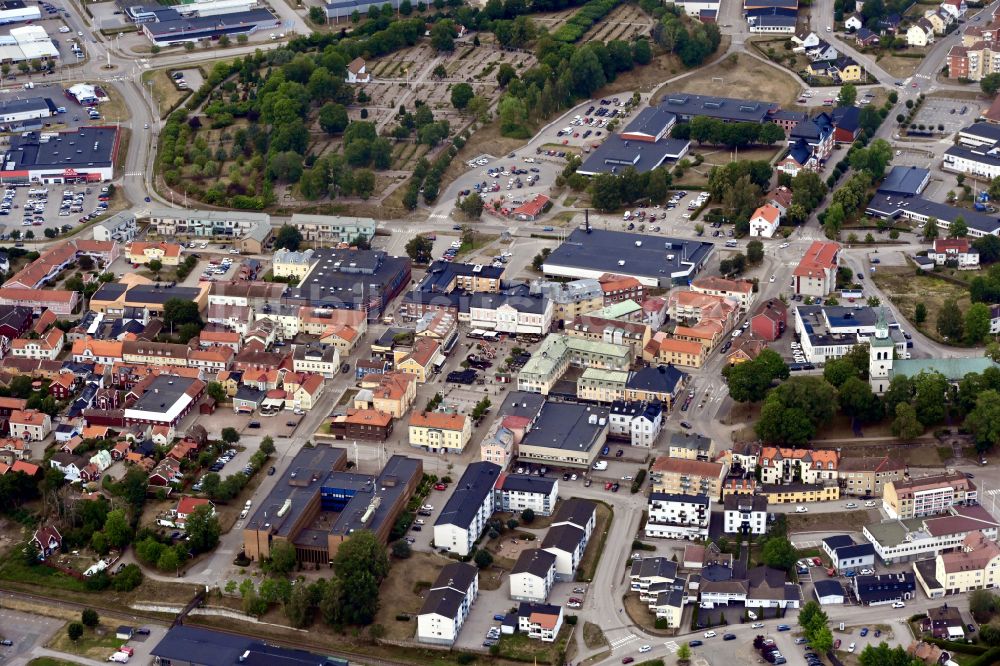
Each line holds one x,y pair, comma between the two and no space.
816,274
186,506
959,250
764,221
47,540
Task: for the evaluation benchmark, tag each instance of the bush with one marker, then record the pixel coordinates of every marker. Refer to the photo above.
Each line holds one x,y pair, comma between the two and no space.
571,620
402,617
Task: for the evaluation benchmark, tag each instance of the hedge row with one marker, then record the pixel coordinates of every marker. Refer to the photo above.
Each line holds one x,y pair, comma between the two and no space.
583,20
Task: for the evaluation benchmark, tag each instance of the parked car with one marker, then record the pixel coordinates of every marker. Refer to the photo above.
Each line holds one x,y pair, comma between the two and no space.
784,627
695,643
710,634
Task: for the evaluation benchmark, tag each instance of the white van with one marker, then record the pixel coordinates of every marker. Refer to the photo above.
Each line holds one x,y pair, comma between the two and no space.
627,216
601,465
119,657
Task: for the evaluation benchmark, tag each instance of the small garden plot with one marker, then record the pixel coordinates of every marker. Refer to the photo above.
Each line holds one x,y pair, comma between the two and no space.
626,23
554,20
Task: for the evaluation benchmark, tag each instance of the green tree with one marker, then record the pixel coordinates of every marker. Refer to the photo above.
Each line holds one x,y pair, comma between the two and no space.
984,420
839,371
527,516
299,608
977,323
958,228
117,530
483,558
920,313
929,400
778,552
230,435
683,653
443,34
883,655
332,119
155,265
419,249
177,312
949,321
990,84
755,252
906,425
267,446
401,550
203,529
288,237
282,558
461,95
857,400
74,630
128,578
472,205
90,618
983,604
848,95
362,553
216,391
750,381
930,229
317,15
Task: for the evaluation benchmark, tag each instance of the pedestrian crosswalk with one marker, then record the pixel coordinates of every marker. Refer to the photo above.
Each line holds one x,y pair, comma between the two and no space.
673,646
624,640
137,174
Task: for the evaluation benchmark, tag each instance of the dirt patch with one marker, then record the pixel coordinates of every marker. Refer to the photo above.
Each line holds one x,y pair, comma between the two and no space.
626,22
900,67
740,76
593,636
651,76
905,289
841,429
403,592
847,521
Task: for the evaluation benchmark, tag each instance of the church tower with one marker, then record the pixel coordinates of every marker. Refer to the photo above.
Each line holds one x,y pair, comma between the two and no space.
880,352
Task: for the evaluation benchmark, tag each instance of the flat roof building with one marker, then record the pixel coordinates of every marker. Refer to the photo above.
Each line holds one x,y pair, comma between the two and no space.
565,434
169,27
653,260
905,181
86,154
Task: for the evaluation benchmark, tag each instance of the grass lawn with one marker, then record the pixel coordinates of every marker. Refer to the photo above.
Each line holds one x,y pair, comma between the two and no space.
521,648
592,556
49,661
905,289
166,94
347,397
478,241
96,643
741,76
403,591
900,67
15,570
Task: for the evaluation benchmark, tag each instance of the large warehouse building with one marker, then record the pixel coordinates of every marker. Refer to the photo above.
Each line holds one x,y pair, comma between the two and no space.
19,110
653,260
169,27
86,154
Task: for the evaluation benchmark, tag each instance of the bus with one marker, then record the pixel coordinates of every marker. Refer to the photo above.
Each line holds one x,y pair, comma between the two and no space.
476,334
491,336
439,364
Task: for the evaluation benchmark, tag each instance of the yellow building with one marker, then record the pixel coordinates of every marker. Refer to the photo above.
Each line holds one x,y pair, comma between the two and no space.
671,351
927,496
439,432
420,361
392,392
288,263
601,385
799,493
169,254
851,72
688,477
975,566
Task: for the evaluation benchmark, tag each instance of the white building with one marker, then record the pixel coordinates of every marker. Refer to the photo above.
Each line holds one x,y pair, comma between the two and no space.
569,534
464,516
539,621
853,23
745,514
845,555
958,250
516,315
522,491
533,575
639,422
677,516
357,71
828,592
829,332
120,227
447,604
764,222
649,572
895,541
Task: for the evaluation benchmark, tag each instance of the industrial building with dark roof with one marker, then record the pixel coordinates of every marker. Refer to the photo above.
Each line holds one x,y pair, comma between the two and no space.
170,27
905,181
85,154
653,260
183,645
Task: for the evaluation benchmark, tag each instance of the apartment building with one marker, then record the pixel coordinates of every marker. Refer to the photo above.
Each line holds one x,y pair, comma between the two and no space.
975,565
333,229
928,496
739,291
559,351
448,604
599,329
694,477
866,477
533,575
898,540
570,532
678,516
597,385
690,446
637,422
744,514
667,350
816,273
514,314
570,299
471,504
519,492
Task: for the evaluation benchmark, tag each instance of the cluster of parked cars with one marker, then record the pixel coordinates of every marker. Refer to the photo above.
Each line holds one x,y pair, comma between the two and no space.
179,81
482,161
550,153
797,354
492,636
452,251
768,650
123,654
216,267
222,460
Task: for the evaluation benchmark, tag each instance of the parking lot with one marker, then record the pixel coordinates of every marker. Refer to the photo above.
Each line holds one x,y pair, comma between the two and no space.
25,631
27,211
951,114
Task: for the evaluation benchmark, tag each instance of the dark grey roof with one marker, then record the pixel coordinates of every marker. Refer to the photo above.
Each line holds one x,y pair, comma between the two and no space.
444,601
250,394
161,293
660,379
526,608
660,567
522,403
774,19
627,408
530,303
846,117
651,120
535,561
686,105
735,502
526,483
679,497
828,587
885,587
394,481
689,440
838,541
347,7
170,24
987,131
905,181
563,537
162,393
456,575
476,483
616,153
645,256
716,573
203,647
860,550
567,426
86,147
345,278
41,104
440,274
574,511
979,155
883,205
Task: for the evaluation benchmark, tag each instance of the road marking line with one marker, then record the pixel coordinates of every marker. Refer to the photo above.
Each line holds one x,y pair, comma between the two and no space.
672,646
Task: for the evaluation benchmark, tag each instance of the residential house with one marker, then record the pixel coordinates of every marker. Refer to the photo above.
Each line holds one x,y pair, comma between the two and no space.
30,425
921,33
764,221
45,348
168,254
420,361
744,514
845,555
866,37
690,446
676,475
539,621
364,424
804,39
187,506
779,465
357,71
390,392
657,383
816,273
884,588
665,350
619,288
853,23
323,360
769,320
519,492
47,541
568,535
953,251
866,476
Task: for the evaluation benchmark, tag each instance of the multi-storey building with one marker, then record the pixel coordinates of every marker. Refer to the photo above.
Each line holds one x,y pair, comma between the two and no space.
678,516
779,465
519,492
448,604
745,514
975,565
928,496
866,477
333,229
601,385
533,575
689,477
464,515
